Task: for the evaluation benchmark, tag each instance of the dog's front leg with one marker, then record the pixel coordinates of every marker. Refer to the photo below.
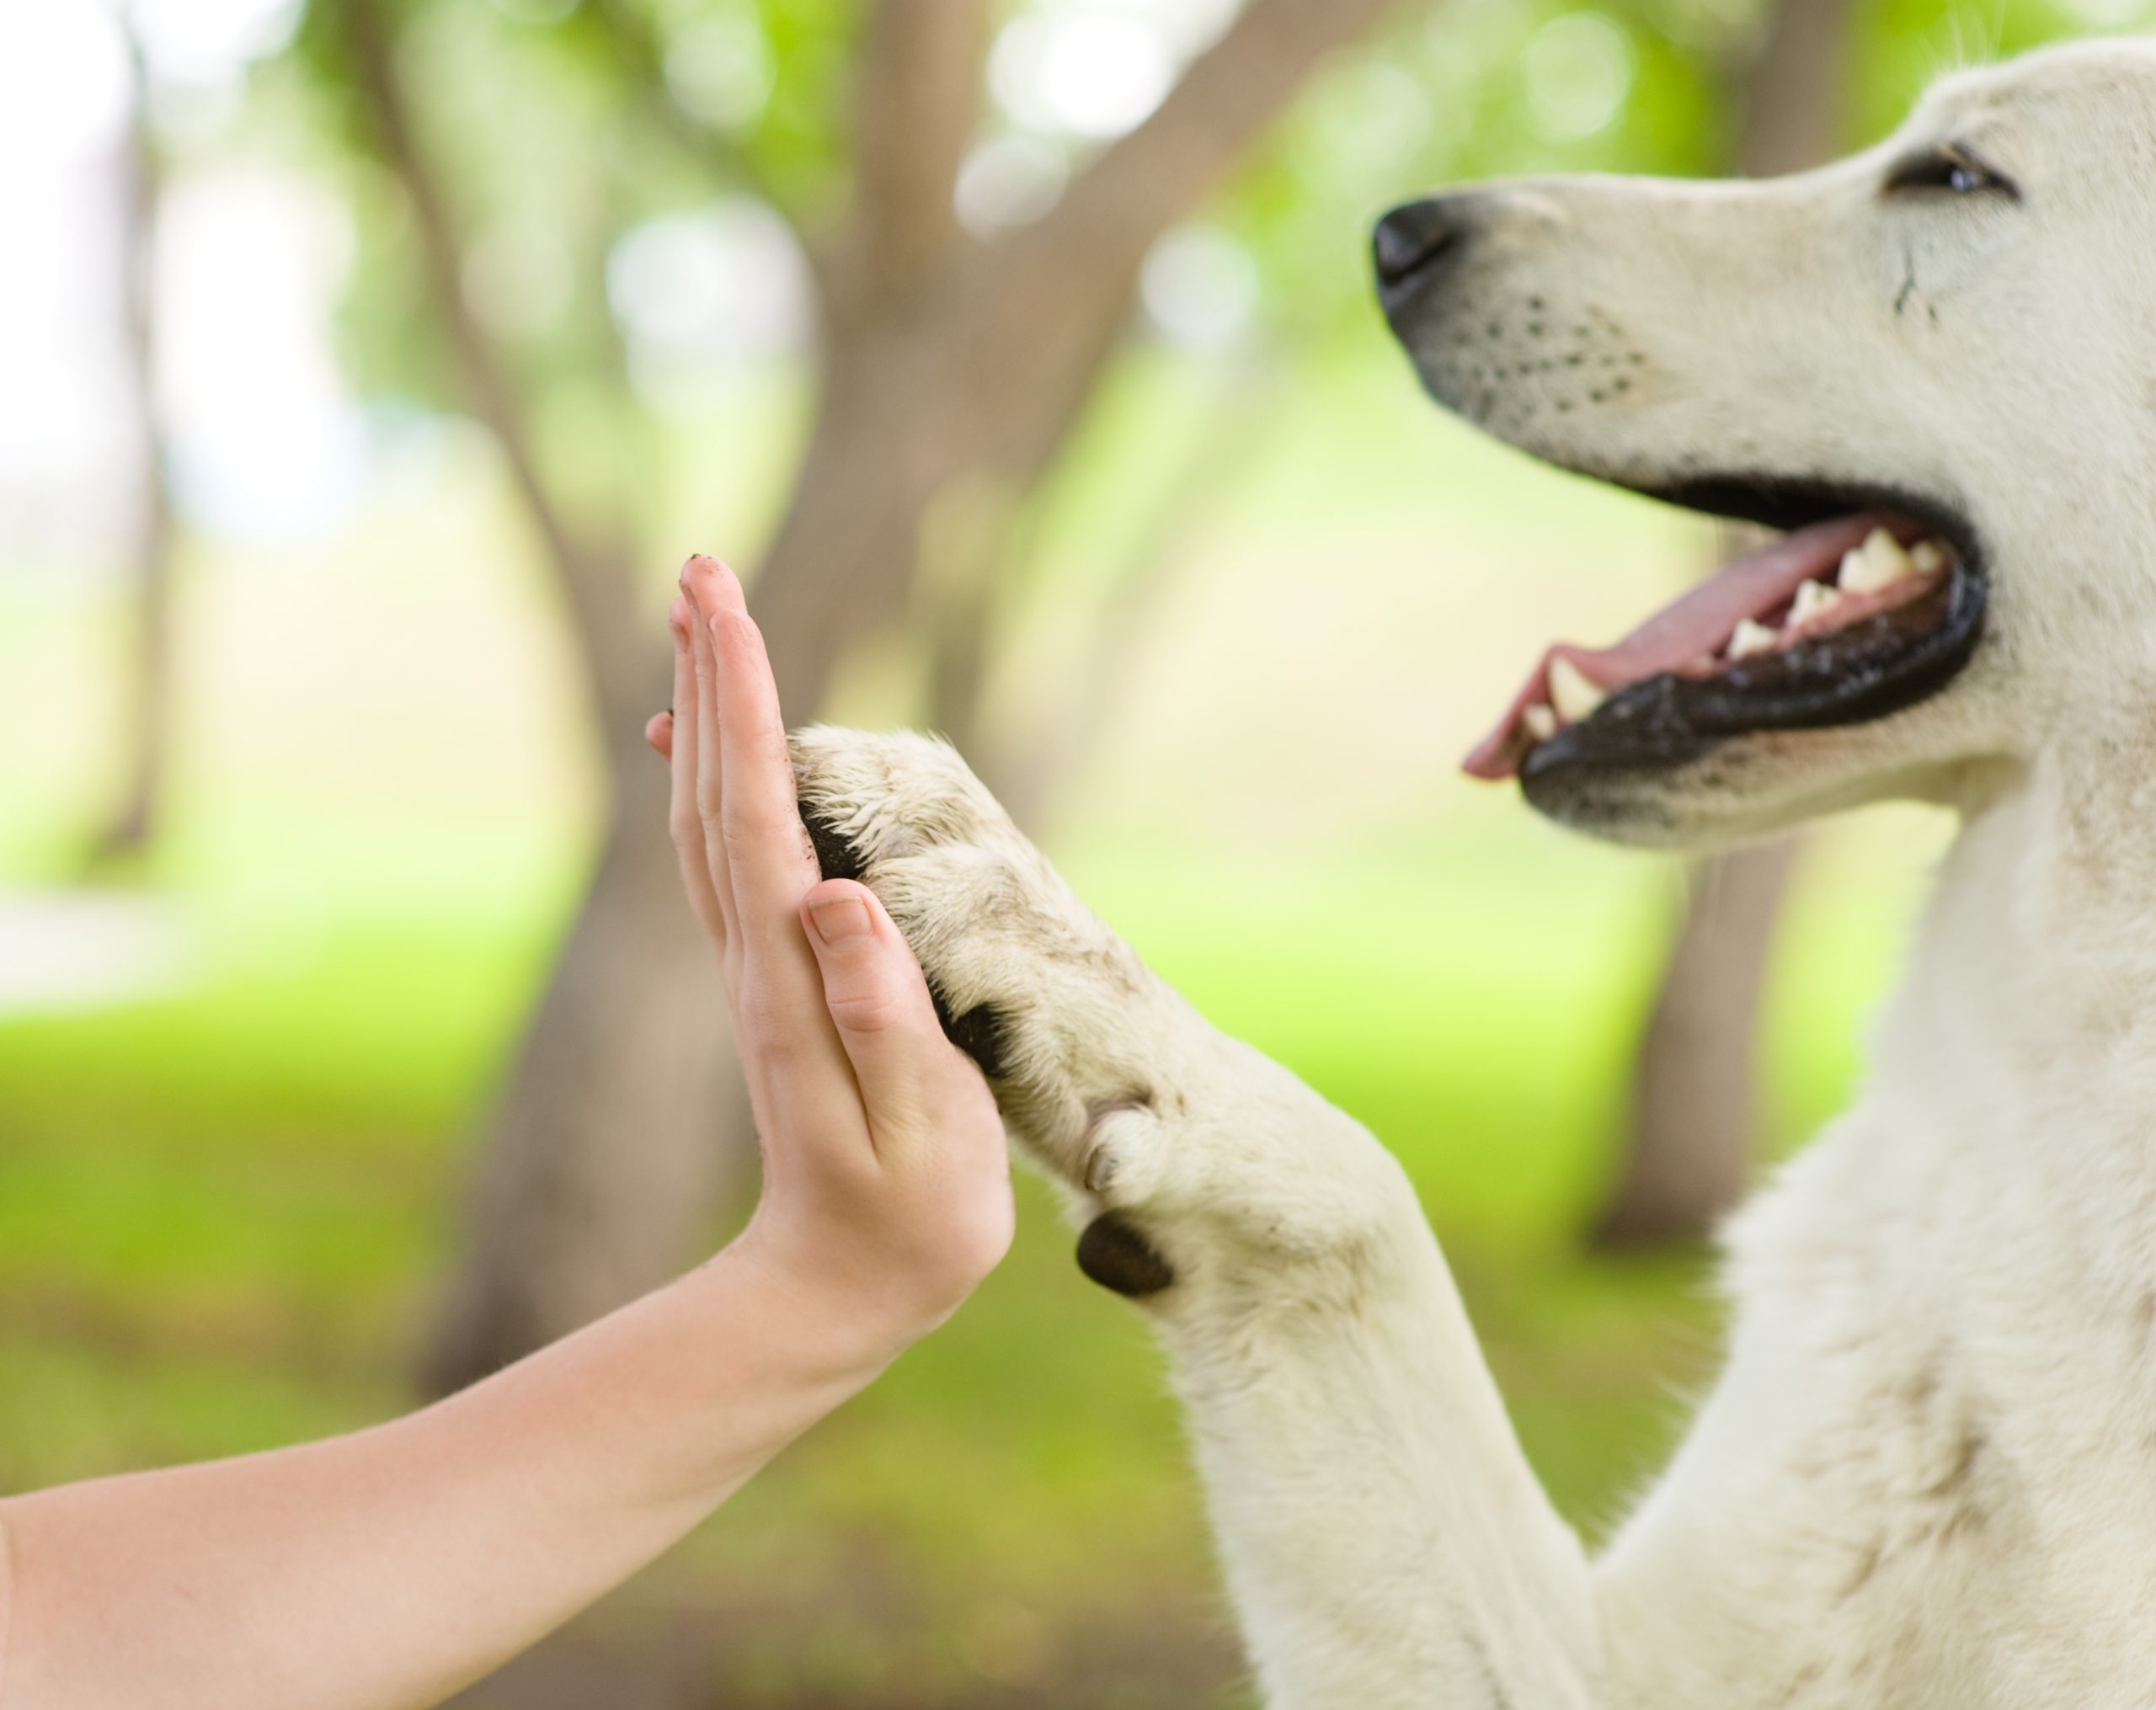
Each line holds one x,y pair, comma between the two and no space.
1385,1541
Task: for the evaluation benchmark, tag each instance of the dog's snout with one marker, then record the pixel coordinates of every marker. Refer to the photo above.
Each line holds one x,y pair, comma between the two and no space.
1411,240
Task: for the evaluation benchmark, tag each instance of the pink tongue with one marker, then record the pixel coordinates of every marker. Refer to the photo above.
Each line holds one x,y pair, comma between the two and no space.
1677,635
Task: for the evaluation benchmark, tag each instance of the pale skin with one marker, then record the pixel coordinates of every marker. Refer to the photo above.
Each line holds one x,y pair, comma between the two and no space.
387,1569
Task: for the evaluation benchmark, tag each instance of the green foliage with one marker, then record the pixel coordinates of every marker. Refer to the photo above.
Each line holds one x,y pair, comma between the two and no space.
563,135
1446,94
1905,44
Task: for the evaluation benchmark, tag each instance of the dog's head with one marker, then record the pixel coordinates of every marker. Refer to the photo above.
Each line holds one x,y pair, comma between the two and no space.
1933,366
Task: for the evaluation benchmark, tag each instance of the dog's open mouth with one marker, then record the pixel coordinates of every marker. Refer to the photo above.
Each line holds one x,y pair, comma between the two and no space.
1838,622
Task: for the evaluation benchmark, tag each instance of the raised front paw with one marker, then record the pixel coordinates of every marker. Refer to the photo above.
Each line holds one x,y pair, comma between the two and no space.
1180,1144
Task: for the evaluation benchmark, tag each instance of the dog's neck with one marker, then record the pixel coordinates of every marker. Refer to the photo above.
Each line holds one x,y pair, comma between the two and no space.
1996,1179
2025,1027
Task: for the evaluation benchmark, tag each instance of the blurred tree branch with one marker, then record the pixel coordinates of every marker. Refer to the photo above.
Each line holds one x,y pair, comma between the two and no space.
642,59
1791,82
917,96
591,575
146,743
981,379
1146,181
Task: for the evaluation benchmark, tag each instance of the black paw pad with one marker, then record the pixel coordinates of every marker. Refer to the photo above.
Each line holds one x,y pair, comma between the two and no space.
1120,1259
978,1033
837,857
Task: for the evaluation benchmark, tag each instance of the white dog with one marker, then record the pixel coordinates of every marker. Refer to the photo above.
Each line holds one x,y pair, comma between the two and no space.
1927,1476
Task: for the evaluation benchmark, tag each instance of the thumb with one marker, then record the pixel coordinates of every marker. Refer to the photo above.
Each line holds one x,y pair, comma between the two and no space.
878,1000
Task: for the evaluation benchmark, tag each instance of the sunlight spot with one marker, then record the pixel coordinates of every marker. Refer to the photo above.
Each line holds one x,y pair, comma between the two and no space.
63,82
1009,180
1579,71
1201,287
517,279
700,291
251,267
210,43
1373,117
721,70
64,951
1087,73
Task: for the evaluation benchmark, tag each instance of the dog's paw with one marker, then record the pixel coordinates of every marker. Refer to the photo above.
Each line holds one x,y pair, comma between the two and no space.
1167,1133
1077,1035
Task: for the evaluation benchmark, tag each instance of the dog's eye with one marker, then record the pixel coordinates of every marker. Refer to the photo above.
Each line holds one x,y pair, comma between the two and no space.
1954,171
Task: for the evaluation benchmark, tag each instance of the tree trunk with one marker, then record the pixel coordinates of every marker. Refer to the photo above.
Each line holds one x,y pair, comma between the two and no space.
144,745
1695,1084
605,1155
1793,109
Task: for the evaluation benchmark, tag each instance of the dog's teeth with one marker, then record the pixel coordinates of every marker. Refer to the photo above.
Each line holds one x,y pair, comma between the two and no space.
1813,597
1879,562
1930,556
1574,697
1541,721
1751,637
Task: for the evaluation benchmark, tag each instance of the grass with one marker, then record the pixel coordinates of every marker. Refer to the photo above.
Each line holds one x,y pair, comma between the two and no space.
224,1214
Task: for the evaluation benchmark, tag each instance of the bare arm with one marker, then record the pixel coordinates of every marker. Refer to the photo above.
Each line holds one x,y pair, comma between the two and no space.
385,1569
391,1567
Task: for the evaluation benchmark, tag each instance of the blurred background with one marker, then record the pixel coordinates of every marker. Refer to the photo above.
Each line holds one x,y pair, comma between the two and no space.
367,367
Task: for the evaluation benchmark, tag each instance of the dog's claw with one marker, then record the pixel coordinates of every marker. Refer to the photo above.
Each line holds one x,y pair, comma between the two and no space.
1120,1259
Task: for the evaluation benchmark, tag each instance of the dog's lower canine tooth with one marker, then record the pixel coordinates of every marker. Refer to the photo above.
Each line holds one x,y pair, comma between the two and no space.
1751,637
1879,562
1930,556
1574,697
1541,721
1814,598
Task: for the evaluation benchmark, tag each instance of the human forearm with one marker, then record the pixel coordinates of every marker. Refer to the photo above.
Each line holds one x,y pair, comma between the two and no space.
385,1569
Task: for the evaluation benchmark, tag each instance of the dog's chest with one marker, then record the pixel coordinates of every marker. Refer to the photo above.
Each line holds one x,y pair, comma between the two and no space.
1969,1468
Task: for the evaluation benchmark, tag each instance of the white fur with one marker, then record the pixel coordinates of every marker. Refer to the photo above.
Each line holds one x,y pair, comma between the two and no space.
1927,1476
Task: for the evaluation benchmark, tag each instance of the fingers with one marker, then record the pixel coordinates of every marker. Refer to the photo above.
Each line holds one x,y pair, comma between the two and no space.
845,1054
683,819
705,766
769,862
758,856
879,1003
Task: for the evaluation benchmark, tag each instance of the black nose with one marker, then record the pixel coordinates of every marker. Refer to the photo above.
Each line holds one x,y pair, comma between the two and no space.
1410,239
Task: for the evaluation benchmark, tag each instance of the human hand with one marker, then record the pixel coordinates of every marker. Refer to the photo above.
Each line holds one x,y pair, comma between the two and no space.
887,1185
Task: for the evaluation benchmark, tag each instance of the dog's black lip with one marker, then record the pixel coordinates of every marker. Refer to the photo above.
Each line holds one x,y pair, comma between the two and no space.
1867,672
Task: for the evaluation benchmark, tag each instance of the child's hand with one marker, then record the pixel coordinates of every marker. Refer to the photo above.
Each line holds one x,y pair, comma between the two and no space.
886,1183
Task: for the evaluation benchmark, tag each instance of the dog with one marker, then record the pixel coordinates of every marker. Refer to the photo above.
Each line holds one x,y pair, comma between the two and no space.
1926,1475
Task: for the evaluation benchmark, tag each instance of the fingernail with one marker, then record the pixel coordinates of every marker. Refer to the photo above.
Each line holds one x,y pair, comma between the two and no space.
840,918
